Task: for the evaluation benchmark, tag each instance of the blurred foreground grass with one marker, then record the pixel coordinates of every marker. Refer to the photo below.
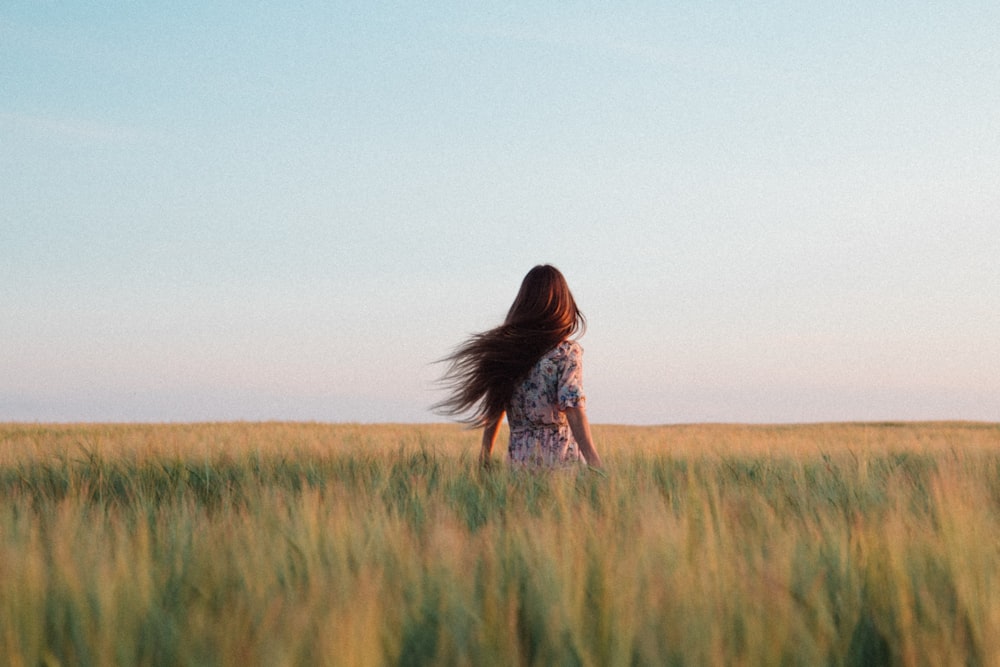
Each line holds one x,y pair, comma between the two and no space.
289,544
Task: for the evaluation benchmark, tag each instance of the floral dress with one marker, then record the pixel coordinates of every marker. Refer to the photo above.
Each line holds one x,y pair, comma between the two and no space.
539,432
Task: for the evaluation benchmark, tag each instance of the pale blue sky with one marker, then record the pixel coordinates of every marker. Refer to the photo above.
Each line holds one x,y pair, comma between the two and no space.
769,212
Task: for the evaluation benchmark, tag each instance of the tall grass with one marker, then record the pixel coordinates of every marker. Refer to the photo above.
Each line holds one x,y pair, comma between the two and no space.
289,544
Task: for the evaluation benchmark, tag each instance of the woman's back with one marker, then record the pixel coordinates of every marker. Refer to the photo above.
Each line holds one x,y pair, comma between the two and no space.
539,431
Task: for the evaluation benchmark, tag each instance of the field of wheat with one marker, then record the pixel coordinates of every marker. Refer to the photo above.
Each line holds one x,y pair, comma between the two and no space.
318,544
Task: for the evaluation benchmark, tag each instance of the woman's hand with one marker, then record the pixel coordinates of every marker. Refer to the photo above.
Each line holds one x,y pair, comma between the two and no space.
489,438
580,426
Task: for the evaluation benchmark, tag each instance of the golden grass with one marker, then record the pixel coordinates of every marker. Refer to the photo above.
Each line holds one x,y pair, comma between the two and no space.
22,442
288,544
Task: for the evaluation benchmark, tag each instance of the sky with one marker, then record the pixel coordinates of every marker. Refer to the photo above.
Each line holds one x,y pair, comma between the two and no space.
775,212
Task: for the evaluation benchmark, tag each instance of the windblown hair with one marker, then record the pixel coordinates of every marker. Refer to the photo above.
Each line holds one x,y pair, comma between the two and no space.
483,372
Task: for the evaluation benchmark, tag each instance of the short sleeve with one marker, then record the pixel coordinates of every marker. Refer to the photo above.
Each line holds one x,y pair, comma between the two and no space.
570,393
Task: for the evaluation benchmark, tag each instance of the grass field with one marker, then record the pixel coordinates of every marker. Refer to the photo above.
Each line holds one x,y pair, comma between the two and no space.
301,544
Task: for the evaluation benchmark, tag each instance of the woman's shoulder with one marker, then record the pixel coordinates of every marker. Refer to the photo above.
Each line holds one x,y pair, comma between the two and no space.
567,349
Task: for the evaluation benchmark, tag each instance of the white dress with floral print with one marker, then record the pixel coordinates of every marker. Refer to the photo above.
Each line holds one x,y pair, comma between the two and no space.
539,432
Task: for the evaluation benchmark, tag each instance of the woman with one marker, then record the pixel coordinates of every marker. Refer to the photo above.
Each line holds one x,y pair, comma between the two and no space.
530,370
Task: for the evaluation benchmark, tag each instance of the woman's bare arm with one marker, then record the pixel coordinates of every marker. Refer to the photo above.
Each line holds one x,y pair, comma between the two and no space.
580,426
489,439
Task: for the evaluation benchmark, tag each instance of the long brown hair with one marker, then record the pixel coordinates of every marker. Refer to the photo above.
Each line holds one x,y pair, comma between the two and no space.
483,371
